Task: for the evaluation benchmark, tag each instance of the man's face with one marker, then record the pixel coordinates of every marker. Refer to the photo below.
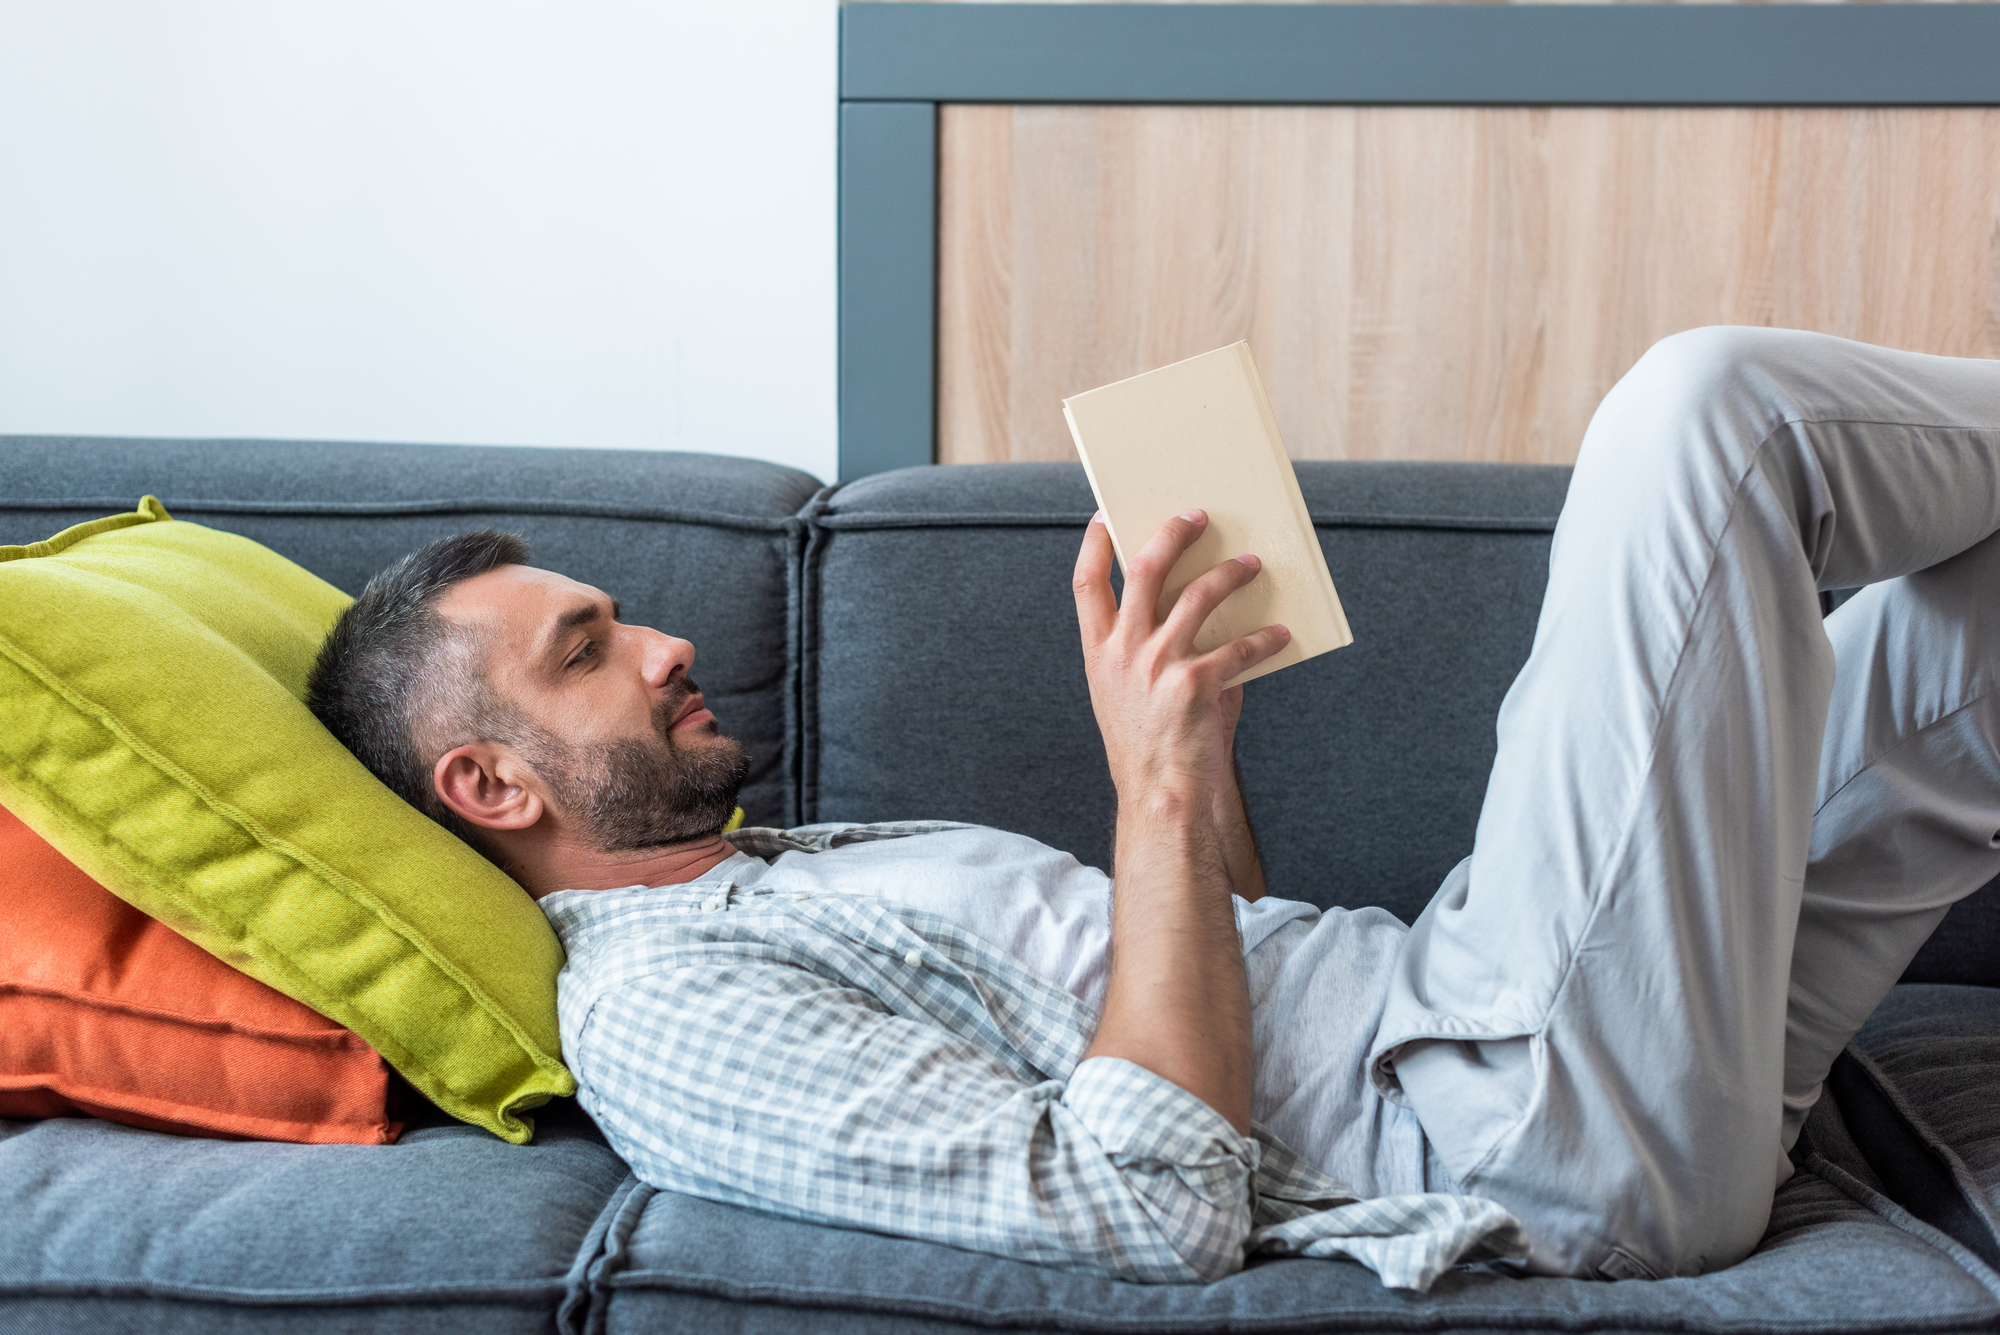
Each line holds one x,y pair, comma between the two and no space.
609,719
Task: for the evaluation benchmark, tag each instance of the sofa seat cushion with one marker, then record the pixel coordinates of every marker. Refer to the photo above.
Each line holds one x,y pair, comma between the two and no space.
105,1227
1827,1262
1934,1051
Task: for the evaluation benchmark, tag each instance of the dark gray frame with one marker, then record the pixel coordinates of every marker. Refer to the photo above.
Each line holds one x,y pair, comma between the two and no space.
899,60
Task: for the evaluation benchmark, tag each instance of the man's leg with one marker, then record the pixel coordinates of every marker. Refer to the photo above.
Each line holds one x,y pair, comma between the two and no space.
1908,820
1590,1019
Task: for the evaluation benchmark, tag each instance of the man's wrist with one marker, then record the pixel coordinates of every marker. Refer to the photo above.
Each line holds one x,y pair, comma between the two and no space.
1168,843
1162,808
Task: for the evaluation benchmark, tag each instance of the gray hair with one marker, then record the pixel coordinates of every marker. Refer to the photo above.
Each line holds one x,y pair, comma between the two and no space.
400,685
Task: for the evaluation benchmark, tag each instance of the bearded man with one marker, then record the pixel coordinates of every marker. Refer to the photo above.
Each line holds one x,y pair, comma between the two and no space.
1717,829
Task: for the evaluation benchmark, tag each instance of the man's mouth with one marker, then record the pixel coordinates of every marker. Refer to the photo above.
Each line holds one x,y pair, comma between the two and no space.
692,714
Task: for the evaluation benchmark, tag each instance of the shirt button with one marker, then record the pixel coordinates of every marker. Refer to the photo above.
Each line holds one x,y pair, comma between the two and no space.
915,958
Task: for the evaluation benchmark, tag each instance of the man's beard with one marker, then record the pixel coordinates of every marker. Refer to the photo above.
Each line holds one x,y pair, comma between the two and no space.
640,792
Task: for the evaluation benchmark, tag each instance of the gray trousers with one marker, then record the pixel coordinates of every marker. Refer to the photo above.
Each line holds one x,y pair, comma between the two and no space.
1717,828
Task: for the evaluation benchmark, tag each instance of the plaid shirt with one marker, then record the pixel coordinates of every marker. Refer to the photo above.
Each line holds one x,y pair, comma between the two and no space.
849,1061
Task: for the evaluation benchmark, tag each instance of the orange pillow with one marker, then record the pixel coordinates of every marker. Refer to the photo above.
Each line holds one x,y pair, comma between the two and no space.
104,1011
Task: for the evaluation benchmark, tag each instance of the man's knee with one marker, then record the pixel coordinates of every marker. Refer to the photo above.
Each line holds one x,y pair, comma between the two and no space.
1719,371
1697,405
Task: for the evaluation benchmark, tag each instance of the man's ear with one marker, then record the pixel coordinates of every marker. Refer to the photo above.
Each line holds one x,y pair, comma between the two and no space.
488,785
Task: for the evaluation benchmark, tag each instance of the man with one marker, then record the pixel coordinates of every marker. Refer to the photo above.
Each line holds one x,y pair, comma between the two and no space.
1715,832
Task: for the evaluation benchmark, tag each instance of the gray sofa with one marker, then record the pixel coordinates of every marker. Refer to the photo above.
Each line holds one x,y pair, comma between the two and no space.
905,646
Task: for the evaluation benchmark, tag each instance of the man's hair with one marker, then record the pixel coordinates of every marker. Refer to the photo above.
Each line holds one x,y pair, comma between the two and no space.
400,685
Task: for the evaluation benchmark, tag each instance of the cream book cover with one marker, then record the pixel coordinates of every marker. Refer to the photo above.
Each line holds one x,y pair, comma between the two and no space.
1200,435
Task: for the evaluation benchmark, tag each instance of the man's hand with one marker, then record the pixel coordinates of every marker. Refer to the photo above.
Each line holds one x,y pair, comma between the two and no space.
1176,1002
1168,725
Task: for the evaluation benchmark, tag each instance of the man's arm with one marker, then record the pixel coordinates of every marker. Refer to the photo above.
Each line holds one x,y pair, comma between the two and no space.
1176,1002
1239,837
1240,855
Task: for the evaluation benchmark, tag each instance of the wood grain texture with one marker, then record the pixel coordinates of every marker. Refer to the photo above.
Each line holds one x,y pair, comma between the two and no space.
1435,283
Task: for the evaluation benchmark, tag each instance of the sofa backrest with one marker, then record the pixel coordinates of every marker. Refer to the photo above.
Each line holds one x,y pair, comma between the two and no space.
906,645
945,679
702,545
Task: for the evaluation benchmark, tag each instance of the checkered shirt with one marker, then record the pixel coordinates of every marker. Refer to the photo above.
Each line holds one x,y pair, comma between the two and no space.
849,1061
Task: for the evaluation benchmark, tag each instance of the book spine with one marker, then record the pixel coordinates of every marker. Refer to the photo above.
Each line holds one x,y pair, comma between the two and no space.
1097,492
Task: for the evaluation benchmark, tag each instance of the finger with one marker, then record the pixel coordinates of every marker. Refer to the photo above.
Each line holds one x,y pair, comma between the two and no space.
1146,574
1203,596
1096,605
1244,652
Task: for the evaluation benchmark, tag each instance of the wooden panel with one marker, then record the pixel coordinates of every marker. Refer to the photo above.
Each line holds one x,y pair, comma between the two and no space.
1435,283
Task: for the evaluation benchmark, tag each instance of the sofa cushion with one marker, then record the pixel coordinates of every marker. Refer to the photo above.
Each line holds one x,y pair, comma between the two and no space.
1929,1062
152,730
944,677
104,1011
1827,1262
103,1227
698,545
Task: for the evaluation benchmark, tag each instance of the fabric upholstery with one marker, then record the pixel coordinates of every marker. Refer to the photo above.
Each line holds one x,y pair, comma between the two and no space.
1837,1255
106,1228
152,730
1826,1259
1965,948
105,1011
1934,1052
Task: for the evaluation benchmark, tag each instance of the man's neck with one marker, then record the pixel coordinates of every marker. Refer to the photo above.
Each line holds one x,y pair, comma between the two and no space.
568,866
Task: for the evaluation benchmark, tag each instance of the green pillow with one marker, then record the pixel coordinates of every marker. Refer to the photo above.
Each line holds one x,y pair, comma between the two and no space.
152,728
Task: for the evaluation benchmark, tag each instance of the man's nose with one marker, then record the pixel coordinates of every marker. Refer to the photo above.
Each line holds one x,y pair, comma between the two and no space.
662,655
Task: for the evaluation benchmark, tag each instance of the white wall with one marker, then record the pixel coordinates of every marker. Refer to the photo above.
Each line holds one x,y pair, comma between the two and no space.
578,222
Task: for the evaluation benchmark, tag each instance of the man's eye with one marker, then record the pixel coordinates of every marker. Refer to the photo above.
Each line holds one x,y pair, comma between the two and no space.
588,651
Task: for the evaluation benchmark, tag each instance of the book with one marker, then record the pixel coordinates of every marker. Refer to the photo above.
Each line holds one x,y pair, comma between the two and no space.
1200,435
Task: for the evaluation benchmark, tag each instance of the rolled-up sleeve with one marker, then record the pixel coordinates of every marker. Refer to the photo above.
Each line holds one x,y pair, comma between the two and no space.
1174,1152
757,1082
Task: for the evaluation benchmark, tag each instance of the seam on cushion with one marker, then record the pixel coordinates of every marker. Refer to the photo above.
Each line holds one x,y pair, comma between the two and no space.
1865,1195
576,1315
1466,523
1928,1139
334,1035
204,1123
801,541
865,519
602,1273
443,506
143,513
812,556
520,1292
230,813
1343,1318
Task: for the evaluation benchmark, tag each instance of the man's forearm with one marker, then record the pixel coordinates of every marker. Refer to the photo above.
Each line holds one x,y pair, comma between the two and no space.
1238,838
1177,1002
